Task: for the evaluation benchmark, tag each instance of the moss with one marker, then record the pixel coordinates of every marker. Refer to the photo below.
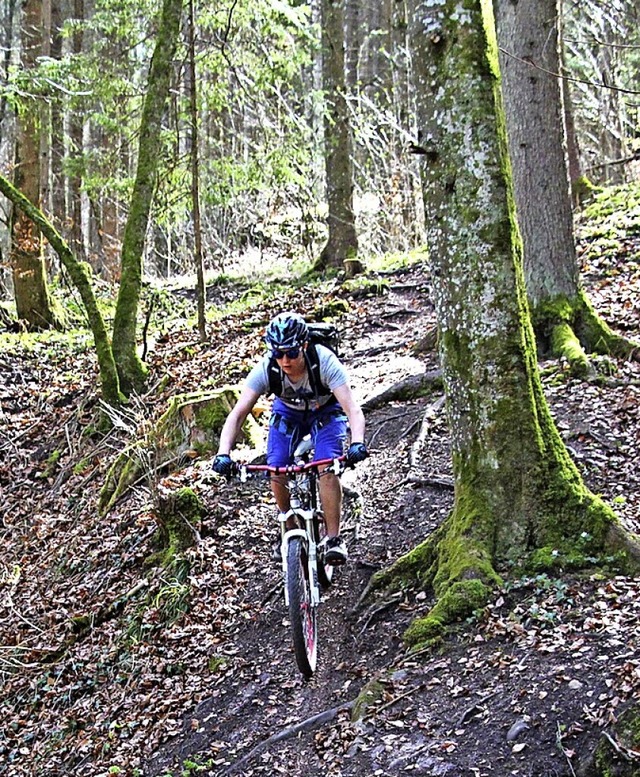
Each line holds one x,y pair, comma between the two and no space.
216,664
189,427
564,343
179,516
583,189
330,309
459,601
610,761
365,287
569,326
371,693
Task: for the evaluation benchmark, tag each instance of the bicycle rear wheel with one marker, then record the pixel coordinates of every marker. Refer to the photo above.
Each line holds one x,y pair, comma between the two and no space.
301,614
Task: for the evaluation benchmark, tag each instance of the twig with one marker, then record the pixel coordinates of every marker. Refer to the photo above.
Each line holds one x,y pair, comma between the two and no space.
564,752
427,417
396,699
378,608
271,592
315,721
626,752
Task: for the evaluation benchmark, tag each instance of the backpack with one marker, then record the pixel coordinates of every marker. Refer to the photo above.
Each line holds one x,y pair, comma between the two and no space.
319,334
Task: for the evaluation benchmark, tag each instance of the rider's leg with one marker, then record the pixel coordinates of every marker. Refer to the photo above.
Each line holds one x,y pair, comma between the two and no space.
283,434
331,498
330,435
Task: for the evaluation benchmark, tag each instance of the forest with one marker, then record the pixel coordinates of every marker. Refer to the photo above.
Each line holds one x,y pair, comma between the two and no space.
453,184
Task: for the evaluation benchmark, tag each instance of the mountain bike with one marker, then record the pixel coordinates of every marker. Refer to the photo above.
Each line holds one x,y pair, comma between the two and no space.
304,572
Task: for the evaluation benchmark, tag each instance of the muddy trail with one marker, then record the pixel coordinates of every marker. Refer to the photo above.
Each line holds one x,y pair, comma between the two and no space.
198,676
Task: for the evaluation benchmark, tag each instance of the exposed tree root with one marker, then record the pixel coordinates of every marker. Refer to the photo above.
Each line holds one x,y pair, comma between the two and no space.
572,329
309,724
404,390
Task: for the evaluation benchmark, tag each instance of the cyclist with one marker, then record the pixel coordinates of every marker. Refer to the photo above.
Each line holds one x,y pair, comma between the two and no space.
303,405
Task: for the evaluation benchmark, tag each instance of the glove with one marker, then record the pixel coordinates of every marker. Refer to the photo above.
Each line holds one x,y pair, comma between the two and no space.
357,452
223,465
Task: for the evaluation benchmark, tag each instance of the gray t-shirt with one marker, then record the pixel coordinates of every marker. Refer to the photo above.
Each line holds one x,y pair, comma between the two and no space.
298,395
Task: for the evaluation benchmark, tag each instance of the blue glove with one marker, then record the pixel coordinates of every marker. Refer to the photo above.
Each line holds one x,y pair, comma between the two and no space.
223,465
357,452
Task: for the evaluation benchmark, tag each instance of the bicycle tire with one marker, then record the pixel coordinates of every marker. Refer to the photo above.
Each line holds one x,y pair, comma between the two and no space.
301,614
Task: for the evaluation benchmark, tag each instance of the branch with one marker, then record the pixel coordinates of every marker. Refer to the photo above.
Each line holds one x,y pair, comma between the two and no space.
315,721
601,85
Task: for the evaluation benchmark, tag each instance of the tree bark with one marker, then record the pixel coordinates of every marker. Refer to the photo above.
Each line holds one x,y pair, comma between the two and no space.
564,322
201,290
519,499
82,281
342,243
33,302
131,370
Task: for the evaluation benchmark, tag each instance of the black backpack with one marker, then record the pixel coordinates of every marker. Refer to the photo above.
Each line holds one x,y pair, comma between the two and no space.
319,334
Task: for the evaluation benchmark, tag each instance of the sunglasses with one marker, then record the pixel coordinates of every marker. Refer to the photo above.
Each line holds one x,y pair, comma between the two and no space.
292,353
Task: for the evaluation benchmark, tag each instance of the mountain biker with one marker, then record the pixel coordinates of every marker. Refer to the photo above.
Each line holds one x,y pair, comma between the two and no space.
299,410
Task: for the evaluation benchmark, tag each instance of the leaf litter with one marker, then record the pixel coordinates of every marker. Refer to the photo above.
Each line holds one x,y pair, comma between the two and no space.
200,671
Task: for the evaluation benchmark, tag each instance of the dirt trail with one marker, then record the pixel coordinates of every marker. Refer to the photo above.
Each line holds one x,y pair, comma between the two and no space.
204,672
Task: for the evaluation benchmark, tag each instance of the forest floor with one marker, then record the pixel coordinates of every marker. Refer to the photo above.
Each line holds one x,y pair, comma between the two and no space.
110,665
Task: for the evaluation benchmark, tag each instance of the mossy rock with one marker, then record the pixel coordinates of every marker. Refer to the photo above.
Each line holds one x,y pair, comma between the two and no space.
189,428
616,754
372,693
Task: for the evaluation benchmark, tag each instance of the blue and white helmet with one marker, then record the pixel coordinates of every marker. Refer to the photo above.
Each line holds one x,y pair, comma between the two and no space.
286,330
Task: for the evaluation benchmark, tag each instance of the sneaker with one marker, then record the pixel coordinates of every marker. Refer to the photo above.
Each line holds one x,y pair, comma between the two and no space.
335,551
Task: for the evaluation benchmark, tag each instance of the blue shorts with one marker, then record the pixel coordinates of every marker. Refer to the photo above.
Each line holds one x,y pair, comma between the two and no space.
327,427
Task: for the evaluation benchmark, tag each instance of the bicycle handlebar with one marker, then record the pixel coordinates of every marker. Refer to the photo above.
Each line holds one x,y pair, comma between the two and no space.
292,469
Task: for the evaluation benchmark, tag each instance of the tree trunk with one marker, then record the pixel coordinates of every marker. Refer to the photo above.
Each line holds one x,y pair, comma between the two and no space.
564,321
56,157
82,281
33,303
195,179
76,148
342,244
131,370
519,499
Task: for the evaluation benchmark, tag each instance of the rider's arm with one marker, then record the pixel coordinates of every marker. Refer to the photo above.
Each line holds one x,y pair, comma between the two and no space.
345,397
235,419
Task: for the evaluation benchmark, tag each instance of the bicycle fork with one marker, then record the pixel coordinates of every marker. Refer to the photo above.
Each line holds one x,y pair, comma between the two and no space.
304,517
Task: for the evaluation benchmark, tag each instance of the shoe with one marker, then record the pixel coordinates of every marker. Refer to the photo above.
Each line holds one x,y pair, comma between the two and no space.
335,551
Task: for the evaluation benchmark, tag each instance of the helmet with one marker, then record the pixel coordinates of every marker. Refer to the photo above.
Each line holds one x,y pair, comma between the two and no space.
286,330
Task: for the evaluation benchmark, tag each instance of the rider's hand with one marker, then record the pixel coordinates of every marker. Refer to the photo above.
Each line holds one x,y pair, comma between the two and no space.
223,465
357,452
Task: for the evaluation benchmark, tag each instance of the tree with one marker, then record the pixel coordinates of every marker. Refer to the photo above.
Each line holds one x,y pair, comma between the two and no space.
80,277
519,499
535,118
33,301
342,243
131,370
201,290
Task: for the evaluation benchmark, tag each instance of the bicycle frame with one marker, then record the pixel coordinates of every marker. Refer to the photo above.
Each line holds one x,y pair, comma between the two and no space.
304,509
304,573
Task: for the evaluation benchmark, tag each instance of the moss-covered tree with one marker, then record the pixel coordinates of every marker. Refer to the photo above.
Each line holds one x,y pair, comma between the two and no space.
519,499
564,320
80,275
131,370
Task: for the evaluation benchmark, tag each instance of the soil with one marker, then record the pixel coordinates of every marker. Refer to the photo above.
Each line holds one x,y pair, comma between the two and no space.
194,675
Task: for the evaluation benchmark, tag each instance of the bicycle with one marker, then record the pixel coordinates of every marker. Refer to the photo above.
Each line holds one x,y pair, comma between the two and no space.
305,574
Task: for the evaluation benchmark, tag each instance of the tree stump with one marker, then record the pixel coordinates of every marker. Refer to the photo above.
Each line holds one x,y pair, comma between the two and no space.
189,428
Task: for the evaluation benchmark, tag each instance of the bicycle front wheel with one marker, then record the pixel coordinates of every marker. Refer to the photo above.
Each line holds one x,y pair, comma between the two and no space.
301,614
